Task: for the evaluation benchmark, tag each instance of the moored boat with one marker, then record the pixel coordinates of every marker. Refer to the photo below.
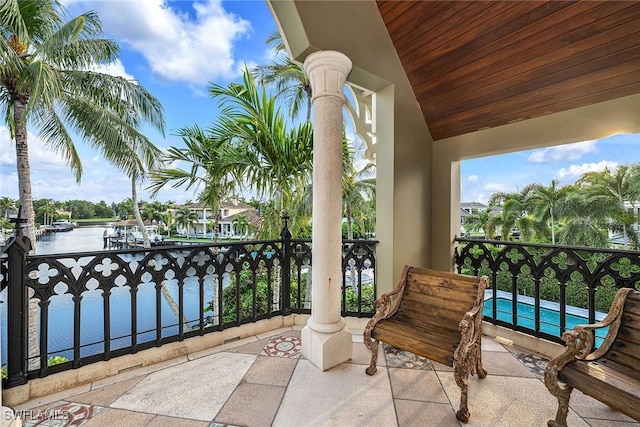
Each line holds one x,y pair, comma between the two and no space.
63,225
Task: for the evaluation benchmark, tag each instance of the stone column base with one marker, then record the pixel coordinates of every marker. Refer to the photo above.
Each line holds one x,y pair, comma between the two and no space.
326,350
8,418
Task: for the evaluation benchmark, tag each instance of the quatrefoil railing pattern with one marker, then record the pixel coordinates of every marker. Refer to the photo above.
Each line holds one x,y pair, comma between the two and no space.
93,306
554,286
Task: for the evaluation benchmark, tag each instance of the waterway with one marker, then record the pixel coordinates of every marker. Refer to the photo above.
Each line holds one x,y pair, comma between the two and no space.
61,312
81,239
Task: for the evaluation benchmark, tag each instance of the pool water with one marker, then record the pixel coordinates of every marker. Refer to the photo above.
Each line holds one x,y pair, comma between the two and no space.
549,318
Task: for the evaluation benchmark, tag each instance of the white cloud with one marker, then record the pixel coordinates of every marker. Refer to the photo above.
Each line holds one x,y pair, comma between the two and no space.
563,153
473,178
194,47
38,151
495,187
115,69
575,171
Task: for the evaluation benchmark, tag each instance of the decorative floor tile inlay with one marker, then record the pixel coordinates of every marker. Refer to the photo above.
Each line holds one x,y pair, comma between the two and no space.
404,359
283,347
534,363
61,414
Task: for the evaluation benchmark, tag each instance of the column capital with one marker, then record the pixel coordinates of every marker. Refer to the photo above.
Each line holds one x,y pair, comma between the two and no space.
327,71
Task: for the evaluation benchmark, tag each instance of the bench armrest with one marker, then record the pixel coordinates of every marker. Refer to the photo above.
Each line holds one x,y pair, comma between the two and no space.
387,304
581,338
470,326
580,341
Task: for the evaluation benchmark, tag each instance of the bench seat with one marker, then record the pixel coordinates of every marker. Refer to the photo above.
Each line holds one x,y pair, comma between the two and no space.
611,373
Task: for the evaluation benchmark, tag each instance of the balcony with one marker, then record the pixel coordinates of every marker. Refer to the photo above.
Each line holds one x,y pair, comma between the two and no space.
235,360
262,380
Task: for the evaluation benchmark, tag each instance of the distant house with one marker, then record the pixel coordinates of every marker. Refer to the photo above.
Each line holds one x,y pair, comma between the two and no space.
472,207
469,208
207,220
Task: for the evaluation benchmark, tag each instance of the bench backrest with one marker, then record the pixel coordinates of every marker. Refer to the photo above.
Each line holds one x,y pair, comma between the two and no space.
436,297
624,353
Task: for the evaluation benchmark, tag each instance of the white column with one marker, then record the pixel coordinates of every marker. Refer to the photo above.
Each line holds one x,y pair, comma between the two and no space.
326,340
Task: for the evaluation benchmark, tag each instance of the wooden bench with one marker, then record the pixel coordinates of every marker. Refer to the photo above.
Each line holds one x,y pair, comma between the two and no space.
434,314
611,373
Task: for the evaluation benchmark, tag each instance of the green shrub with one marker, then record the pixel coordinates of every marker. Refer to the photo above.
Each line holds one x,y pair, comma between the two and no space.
56,360
368,298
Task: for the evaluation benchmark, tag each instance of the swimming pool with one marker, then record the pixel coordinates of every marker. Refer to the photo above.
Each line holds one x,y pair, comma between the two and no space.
549,317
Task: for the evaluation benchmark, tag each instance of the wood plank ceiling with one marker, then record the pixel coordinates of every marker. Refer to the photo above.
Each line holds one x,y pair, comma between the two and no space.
480,64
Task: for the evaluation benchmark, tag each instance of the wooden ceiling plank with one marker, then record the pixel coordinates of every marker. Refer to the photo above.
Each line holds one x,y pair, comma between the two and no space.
497,26
542,100
516,81
550,57
449,129
426,38
429,13
482,63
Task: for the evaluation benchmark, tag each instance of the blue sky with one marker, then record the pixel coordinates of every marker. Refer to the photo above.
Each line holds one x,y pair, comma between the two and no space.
482,177
175,48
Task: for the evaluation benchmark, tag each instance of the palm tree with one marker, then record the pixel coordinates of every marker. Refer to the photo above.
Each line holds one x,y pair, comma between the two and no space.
48,211
514,211
274,161
45,82
615,188
248,146
584,222
208,171
169,220
546,201
480,220
289,78
186,218
357,188
241,224
7,204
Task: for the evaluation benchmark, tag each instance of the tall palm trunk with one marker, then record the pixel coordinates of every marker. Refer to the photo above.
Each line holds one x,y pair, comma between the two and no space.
27,212
553,229
23,168
136,213
625,236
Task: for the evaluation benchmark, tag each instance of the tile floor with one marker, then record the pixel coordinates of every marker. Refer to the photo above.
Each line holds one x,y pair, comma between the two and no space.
263,381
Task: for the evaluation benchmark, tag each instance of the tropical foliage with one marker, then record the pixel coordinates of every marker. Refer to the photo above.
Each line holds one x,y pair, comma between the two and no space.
599,206
48,82
249,146
289,79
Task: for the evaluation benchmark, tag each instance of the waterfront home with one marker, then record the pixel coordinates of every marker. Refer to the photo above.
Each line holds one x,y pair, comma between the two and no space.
228,228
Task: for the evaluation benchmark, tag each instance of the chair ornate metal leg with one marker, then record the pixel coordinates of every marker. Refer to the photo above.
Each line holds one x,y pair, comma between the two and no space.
372,345
461,375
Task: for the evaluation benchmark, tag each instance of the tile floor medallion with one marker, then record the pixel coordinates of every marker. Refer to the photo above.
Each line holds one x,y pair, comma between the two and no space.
397,358
281,346
60,414
533,362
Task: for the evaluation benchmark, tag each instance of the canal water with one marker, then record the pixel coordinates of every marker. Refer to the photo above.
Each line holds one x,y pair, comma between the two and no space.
81,239
61,308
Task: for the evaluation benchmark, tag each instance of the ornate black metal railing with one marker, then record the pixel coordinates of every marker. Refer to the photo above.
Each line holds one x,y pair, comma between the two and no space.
72,309
543,290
